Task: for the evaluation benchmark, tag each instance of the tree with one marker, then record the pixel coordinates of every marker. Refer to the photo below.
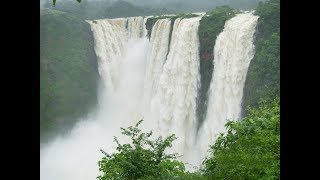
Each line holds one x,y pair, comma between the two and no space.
263,77
251,147
143,158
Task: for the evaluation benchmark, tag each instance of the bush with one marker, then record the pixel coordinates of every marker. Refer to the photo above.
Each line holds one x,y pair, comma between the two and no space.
251,147
143,158
263,78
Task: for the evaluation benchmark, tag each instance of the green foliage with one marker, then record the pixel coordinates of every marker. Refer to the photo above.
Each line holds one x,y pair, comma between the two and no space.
211,25
263,78
126,9
177,6
143,158
104,9
251,147
68,71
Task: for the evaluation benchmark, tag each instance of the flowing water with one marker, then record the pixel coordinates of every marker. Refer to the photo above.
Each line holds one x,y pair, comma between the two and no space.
233,52
150,80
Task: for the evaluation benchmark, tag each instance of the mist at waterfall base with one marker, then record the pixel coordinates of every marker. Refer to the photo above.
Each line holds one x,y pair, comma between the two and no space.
76,156
150,80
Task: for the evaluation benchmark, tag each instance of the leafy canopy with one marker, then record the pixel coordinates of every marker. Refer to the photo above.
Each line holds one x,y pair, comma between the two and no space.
263,77
143,158
251,147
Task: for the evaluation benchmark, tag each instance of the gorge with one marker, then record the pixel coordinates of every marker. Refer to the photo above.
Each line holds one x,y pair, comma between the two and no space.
158,80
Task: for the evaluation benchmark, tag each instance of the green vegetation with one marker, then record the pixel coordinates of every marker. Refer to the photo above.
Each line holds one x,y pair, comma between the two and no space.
126,9
263,78
54,2
251,147
181,6
211,25
143,158
68,71
90,10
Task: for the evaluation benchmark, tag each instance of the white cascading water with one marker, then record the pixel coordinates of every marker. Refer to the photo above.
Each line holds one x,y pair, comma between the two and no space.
121,59
150,80
109,48
157,54
233,52
135,27
145,31
173,107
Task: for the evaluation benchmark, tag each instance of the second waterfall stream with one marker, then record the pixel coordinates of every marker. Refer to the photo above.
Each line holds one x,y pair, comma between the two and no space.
156,80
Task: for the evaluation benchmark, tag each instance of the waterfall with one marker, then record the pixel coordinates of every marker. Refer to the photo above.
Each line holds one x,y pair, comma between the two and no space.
121,55
157,53
145,31
175,99
233,52
135,27
109,47
150,80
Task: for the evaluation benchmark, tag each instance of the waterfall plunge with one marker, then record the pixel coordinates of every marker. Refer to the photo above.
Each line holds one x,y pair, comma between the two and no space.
159,83
233,52
174,104
157,53
121,56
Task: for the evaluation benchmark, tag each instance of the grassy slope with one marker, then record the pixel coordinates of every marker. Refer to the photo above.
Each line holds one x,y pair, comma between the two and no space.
68,71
